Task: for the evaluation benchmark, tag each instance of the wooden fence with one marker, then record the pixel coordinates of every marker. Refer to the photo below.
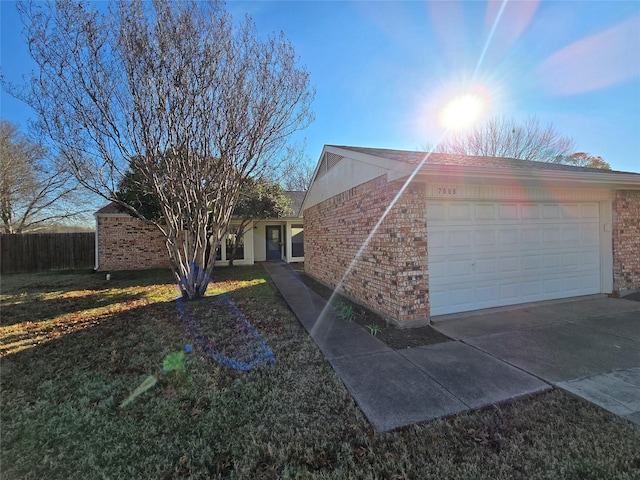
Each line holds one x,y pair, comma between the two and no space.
32,252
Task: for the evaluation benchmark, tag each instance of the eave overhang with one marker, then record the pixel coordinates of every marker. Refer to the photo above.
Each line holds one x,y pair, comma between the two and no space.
505,176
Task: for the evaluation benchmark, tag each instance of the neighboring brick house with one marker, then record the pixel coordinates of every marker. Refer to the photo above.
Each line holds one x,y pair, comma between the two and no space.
467,233
124,242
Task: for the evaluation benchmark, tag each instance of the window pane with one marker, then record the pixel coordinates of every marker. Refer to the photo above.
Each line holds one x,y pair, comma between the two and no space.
297,241
231,238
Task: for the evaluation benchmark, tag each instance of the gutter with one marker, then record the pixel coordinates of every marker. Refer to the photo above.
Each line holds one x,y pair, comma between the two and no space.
617,180
97,265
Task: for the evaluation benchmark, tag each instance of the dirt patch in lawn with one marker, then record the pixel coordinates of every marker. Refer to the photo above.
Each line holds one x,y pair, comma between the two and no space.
393,336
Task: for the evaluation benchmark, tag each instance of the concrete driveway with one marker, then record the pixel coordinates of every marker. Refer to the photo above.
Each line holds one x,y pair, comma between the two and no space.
588,346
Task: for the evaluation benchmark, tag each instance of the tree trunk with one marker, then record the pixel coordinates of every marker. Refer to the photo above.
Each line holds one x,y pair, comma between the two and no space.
191,270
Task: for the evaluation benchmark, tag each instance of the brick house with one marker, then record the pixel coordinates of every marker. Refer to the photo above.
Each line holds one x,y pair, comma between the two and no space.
124,242
467,233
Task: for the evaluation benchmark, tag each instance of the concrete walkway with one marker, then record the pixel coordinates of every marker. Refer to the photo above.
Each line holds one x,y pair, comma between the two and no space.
400,387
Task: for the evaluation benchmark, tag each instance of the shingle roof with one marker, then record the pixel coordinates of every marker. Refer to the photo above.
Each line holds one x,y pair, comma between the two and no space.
110,208
296,202
415,157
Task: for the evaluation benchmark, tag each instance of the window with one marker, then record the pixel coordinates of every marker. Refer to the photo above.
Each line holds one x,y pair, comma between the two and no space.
297,240
231,238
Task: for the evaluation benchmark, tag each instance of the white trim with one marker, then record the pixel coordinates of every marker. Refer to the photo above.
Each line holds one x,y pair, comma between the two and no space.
97,253
289,241
606,246
488,174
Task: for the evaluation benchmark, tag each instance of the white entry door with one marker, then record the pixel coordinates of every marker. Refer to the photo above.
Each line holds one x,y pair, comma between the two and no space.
489,254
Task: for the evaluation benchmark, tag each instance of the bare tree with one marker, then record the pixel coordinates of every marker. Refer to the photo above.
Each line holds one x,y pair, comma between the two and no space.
35,191
296,169
506,138
200,102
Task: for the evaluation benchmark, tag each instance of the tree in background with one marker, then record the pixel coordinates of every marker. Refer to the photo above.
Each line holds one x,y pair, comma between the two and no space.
583,159
135,195
36,192
199,102
296,170
258,199
505,138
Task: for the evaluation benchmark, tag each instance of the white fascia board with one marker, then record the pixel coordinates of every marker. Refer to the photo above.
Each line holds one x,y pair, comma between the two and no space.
111,215
490,174
364,157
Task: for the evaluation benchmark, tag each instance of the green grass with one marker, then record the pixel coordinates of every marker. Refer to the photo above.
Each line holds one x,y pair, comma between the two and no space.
75,346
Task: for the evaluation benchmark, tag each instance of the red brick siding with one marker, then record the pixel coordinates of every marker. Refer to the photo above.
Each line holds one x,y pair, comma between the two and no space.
127,243
626,240
390,274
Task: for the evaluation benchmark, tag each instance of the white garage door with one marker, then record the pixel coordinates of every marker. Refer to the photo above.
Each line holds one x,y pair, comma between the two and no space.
489,254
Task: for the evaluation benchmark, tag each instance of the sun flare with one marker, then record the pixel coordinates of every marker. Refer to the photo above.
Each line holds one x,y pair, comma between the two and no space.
462,112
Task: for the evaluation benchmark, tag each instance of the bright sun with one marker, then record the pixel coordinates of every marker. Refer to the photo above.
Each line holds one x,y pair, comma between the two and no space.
462,112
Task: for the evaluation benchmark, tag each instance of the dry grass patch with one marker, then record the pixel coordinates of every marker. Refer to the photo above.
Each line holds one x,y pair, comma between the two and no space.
61,418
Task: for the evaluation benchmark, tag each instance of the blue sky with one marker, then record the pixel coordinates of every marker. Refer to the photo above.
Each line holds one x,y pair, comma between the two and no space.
384,70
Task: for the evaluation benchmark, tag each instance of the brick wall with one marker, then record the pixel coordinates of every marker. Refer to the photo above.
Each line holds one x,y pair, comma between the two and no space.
626,240
127,243
390,273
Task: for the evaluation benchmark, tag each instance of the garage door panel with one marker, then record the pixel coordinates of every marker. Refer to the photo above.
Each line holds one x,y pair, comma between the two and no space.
508,211
461,211
531,236
485,238
531,289
551,235
571,234
530,212
590,258
508,236
571,211
484,212
485,266
590,212
436,212
509,264
437,239
572,260
460,238
551,212
486,254
460,268
531,263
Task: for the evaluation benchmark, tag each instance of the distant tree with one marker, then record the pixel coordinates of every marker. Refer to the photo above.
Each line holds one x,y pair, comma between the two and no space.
198,102
296,171
35,190
136,195
258,199
583,159
506,138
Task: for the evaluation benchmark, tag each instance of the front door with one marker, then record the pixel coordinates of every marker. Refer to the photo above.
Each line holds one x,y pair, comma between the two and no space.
274,240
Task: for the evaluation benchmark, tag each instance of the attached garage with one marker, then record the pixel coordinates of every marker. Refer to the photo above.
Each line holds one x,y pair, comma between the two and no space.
414,235
490,254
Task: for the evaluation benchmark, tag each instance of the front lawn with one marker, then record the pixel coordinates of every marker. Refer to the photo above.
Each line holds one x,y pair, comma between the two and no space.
73,347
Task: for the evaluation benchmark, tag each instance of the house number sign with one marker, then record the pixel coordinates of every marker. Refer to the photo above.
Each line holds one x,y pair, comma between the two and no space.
446,191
